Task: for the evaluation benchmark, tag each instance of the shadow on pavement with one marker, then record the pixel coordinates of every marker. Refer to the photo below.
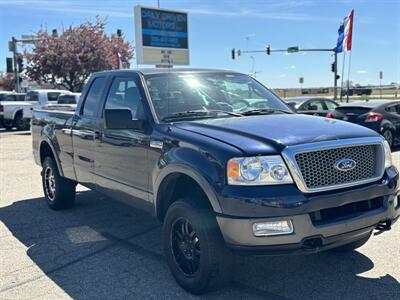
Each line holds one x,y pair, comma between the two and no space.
104,249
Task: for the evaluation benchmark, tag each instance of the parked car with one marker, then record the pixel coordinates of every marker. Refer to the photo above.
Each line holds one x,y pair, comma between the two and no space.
383,116
253,181
70,98
315,106
15,97
18,113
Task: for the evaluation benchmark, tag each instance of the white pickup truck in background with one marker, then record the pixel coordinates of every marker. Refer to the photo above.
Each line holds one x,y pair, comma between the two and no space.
18,113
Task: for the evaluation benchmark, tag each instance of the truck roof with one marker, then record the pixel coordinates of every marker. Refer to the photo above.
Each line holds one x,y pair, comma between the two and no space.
151,71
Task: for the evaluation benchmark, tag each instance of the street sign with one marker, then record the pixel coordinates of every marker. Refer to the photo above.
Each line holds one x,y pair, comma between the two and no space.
162,36
301,80
293,49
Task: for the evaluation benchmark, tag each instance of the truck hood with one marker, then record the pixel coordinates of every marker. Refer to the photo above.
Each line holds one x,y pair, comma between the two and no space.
271,133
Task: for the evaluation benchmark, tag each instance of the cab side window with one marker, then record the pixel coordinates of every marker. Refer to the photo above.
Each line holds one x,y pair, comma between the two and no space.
124,94
314,105
93,97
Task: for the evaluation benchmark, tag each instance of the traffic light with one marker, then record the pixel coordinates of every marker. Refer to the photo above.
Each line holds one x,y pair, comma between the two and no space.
233,53
9,62
268,50
337,77
54,33
119,33
333,69
20,63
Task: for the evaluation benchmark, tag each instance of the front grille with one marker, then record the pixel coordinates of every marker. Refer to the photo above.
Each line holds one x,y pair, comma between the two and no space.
347,211
318,167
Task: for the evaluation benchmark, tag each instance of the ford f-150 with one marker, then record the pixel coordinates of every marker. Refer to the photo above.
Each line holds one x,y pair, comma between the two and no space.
222,162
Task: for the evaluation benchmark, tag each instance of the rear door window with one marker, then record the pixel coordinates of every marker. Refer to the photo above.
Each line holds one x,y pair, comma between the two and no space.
93,97
330,105
32,96
52,96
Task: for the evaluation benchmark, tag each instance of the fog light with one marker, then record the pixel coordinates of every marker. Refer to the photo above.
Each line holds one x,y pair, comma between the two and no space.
273,228
396,201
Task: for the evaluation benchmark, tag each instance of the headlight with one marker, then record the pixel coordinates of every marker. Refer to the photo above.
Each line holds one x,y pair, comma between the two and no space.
388,155
258,170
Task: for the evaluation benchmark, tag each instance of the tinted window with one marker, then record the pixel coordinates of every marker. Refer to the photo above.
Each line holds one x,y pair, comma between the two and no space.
3,97
52,96
123,94
32,96
331,105
11,98
93,96
66,99
20,97
314,105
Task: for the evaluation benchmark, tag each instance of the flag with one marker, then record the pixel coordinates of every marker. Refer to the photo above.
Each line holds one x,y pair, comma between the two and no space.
345,34
120,60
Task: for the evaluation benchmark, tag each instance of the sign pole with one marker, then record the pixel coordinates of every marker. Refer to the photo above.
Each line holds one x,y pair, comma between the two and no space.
335,78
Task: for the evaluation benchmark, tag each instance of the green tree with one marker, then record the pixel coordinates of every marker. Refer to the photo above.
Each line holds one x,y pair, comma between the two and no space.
69,59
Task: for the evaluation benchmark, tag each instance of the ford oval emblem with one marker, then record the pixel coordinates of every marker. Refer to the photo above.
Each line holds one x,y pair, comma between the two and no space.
345,164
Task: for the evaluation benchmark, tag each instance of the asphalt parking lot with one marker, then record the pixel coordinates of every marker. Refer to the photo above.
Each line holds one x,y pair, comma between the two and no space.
104,249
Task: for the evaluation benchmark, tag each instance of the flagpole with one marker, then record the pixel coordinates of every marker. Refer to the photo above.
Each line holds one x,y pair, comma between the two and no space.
348,78
341,84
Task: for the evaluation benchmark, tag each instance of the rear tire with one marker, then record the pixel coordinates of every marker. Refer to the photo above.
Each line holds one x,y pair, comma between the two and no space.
351,246
59,192
194,247
20,123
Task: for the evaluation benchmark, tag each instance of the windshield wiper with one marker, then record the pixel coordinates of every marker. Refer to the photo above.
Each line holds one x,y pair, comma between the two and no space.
197,113
264,111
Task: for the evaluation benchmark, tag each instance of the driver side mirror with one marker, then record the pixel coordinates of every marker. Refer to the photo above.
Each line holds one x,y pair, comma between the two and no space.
122,119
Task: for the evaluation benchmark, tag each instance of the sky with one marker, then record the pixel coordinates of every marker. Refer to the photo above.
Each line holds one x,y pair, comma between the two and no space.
215,27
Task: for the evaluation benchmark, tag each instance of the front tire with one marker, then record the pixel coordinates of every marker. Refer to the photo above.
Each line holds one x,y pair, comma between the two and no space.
388,135
194,247
59,192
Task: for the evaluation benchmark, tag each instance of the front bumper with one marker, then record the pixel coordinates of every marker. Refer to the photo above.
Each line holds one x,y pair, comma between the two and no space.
310,235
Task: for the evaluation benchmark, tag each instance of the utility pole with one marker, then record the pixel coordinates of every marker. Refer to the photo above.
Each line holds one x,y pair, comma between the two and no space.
13,48
380,82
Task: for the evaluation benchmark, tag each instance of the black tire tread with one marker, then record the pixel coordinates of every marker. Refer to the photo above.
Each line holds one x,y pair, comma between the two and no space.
65,192
220,260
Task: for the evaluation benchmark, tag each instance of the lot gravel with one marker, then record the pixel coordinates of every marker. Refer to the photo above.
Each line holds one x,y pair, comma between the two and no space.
103,249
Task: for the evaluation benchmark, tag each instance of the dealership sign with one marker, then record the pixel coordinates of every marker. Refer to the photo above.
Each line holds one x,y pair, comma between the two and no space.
161,36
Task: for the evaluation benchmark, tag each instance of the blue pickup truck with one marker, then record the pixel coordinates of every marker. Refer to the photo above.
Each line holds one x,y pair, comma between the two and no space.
222,162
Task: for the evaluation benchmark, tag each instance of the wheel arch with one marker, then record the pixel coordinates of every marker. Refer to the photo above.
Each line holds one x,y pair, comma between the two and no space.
16,112
178,181
46,149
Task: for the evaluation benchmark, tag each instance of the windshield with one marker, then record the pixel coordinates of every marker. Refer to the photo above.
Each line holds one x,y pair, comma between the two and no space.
176,93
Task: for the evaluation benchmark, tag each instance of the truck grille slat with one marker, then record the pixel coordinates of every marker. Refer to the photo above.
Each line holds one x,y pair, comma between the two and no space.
318,167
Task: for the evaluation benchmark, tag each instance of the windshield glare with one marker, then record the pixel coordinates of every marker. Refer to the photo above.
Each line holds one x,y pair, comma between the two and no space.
174,93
